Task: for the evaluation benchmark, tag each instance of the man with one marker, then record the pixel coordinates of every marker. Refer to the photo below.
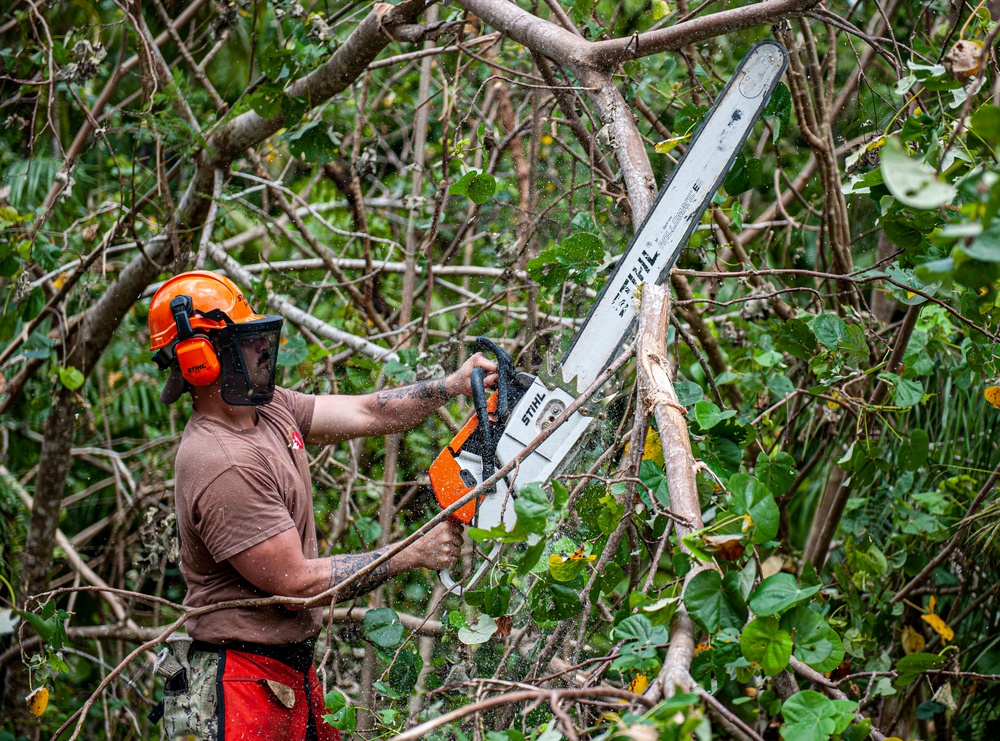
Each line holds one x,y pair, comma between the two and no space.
244,511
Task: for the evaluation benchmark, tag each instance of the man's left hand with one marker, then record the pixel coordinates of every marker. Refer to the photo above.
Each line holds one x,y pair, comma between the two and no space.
460,382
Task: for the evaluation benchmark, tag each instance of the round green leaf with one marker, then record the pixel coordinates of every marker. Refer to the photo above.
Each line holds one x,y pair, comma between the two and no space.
482,187
816,643
382,627
709,604
640,628
829,329
809,716
71,378
764,643
777,593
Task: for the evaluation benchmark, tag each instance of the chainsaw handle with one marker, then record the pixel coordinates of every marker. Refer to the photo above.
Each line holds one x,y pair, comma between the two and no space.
478,380
505,372
454,587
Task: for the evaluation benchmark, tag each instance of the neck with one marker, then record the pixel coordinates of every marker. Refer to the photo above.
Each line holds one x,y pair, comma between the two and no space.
208,401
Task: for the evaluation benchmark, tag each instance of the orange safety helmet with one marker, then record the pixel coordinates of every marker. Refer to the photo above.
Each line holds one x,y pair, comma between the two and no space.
202,326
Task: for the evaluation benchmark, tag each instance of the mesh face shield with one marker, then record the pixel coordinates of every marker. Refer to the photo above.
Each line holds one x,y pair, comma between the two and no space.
248,352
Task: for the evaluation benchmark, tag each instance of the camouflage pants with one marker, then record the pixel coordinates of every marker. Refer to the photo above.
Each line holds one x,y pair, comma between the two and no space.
191,713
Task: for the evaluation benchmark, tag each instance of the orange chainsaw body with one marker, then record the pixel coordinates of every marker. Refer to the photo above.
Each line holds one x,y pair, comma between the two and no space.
446,473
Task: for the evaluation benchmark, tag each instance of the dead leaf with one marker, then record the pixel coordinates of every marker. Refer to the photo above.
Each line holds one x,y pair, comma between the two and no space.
912,640
90,232
284,693
940,626
38,701
504,624
638,684
725,547
962,62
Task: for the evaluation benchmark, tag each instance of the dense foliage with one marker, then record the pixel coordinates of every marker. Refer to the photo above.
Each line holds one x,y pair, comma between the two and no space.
833,340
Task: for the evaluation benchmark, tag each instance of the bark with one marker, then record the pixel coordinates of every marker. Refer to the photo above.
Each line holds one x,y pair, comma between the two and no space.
679,466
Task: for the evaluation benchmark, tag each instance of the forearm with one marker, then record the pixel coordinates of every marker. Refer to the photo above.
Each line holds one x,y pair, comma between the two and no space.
323,574
401,409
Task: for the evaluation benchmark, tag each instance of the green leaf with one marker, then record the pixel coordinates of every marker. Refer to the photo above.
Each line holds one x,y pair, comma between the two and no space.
266,101
688,393
910,667
809,716
908,393
382,627
340,714
936,271
914,450
776,473
404,672
43,627
764,643
580,249
481,632
985,123
461,187
778,110
560,495
499,533
311,143
751,497
531,557
532,508
816,643
829,329
709,415
777,593
795,338
639,628
746,174
711,606
481,188
70,377
912,183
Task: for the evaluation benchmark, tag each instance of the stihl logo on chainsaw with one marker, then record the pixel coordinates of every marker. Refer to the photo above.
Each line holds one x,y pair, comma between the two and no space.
633,278
532,408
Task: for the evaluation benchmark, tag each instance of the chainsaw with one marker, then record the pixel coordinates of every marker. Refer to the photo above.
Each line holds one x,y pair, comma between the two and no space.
523,406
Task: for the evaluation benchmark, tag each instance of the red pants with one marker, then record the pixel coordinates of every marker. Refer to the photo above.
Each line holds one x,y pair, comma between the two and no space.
251,708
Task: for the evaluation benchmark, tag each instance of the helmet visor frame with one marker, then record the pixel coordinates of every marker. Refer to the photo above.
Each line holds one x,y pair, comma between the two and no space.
249,355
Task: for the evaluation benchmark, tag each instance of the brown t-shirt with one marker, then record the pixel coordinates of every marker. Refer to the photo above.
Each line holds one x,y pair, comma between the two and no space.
233,490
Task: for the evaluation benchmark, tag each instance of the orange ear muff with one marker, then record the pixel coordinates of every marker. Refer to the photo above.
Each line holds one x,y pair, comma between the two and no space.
198,361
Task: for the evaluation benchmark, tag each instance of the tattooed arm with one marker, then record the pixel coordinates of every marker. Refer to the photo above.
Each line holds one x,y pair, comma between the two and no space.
338,417
277,566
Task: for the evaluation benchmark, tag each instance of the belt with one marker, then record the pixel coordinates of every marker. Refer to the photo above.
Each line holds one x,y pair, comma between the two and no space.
298,656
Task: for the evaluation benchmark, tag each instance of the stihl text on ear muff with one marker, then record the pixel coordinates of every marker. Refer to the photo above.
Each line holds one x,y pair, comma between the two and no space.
196,356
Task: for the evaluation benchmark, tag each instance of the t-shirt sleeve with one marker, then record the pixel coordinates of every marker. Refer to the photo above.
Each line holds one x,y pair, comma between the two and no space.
237,510
301,407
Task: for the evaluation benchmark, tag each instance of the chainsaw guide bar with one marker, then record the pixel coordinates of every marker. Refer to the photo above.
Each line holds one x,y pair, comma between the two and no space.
649,257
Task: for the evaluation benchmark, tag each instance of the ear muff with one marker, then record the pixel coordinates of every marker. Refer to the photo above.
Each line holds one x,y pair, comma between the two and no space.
198,361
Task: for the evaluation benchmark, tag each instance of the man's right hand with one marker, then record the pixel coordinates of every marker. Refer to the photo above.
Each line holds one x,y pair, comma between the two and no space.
439,549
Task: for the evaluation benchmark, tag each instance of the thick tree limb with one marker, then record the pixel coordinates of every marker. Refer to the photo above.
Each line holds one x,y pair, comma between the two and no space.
679,466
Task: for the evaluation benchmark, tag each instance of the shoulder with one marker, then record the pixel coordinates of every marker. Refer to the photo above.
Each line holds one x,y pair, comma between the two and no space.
208,449
291,406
